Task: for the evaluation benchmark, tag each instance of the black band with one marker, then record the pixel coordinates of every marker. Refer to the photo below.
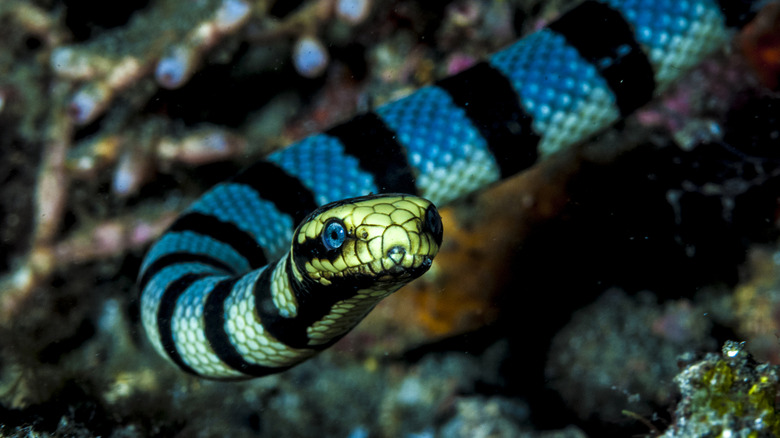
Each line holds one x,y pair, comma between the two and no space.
604,38
286,192
367,138
225,232
217,336
165,317
181,257
492,105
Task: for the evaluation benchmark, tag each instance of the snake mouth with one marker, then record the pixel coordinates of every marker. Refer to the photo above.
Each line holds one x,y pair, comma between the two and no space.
393,271
399,265
418,270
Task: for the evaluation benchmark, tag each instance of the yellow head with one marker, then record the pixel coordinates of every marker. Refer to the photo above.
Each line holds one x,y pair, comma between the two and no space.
384,240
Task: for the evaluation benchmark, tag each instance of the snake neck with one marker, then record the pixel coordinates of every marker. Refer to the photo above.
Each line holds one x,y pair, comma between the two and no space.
304,315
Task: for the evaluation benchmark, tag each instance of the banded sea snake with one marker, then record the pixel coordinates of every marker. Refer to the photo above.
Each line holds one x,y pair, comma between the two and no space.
218,303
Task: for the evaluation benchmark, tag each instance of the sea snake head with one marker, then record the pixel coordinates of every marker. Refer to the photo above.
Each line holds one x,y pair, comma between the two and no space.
348,255
375,242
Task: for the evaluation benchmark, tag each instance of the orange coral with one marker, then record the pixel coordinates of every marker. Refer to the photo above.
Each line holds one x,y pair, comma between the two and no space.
760,44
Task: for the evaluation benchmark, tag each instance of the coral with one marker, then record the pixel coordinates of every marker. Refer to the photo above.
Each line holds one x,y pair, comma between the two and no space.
310,57
757,305
97,116
497,417
761,45
727,395
120,58
353,11
615,354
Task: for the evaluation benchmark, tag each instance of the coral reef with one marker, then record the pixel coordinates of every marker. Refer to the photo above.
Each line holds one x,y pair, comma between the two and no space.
620,353
756,301
114,121
727,395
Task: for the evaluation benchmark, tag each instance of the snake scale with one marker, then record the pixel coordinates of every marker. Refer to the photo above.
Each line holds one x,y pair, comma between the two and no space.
234,290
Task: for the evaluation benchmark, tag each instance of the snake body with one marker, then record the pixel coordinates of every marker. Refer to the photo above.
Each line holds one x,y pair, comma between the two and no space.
234,290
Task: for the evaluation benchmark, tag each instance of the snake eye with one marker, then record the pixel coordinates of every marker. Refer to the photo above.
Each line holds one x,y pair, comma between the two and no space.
334,234
433,222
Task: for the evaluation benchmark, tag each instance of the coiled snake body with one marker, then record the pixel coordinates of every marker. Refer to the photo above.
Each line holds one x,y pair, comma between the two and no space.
234,290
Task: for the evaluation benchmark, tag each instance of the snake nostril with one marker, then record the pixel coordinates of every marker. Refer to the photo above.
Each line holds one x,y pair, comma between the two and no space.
396,254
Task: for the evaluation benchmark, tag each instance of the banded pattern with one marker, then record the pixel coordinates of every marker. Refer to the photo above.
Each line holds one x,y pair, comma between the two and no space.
548,91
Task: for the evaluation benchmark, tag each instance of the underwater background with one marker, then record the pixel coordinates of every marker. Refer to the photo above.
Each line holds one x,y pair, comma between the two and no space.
626,287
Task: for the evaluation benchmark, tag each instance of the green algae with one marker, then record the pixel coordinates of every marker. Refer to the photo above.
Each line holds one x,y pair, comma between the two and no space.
730,395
